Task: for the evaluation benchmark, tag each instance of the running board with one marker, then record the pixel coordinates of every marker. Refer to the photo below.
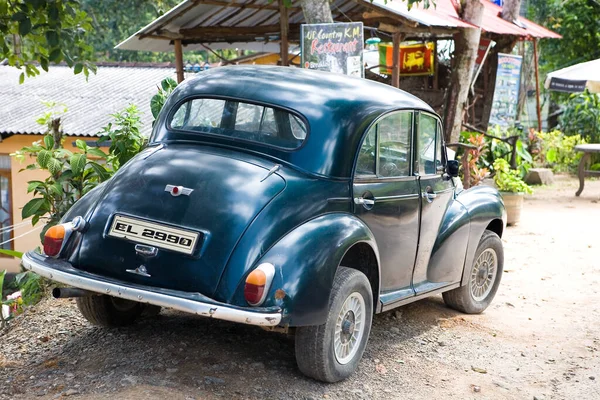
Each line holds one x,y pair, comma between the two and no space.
420,296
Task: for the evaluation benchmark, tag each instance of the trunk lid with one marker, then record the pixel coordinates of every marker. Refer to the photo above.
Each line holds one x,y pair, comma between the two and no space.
227,195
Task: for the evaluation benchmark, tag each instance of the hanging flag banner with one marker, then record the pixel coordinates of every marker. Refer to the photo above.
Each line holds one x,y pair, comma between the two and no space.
415,59
506,93
333,47
482,51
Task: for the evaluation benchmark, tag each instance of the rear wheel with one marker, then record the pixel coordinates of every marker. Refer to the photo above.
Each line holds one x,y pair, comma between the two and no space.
483,280
109,311
331,352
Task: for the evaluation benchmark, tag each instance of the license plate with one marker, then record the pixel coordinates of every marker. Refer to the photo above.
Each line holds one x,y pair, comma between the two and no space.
151,233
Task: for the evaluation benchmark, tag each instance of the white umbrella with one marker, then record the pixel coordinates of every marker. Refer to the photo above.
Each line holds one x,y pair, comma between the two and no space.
576,78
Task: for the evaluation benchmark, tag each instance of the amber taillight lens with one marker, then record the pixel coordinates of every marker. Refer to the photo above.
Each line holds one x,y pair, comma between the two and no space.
258,283
53,240
255,287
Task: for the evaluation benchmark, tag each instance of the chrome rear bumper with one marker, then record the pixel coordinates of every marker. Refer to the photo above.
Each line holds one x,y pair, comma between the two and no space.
63,272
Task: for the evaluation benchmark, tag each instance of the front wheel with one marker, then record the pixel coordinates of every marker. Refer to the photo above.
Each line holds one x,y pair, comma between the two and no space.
331,352
484,277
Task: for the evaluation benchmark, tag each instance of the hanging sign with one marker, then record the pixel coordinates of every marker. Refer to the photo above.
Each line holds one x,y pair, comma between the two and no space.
567,85
333,47
415,59
506,93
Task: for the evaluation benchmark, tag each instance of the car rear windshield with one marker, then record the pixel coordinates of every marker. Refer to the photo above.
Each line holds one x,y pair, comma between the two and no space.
240,120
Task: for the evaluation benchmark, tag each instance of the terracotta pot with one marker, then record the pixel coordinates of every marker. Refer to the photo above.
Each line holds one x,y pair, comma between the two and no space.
514,204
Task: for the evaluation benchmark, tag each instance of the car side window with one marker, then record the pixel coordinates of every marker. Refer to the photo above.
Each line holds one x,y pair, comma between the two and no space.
365,166
429,145
395,133
385,151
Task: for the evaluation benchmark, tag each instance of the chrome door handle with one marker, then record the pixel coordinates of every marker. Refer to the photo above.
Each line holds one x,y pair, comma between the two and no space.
363,201
429,196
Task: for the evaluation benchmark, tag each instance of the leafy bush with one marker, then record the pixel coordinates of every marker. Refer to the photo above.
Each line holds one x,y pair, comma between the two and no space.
581,116
508,180
558,151
73,174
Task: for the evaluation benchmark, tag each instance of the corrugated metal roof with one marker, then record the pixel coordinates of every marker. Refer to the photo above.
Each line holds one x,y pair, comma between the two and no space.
89,103
217,23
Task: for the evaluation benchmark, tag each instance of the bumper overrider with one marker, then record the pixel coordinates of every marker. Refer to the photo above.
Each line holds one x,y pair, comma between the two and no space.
194,303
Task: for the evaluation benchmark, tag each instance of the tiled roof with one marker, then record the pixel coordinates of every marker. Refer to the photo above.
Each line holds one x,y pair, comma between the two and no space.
89,103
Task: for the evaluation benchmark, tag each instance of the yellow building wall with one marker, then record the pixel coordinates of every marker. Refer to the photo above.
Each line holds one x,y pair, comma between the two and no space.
20,197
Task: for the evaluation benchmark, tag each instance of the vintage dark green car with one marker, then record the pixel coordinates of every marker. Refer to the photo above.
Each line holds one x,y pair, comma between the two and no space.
286,198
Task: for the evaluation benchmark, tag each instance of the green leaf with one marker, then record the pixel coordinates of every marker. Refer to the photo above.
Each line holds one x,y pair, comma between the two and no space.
49,141
54,166
32,185
97,152
21,78
12,253
100,171
78,68
56,188
25,27
32,207
43,158
52,38
55,55
78,162
81,144
35,220
156,104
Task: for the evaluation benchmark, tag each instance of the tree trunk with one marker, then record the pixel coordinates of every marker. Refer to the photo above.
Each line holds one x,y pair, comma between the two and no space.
466,42
317,11
510,10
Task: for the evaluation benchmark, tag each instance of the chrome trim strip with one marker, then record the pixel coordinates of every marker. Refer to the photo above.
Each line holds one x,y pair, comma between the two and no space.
420,296
219,311
398,197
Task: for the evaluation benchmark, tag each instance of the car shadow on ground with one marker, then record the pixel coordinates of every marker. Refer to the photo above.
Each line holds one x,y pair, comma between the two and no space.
175,349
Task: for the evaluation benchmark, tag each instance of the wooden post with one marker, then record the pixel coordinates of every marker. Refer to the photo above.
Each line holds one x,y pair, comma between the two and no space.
178,60
284,24
397,38
537,84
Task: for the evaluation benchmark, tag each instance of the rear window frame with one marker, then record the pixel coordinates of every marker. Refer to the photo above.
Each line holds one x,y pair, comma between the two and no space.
288,110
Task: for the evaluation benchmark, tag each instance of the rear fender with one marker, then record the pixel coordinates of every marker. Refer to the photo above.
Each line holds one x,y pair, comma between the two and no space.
305,261
484,205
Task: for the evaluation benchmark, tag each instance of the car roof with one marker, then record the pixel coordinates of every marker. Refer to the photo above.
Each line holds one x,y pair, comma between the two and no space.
338,109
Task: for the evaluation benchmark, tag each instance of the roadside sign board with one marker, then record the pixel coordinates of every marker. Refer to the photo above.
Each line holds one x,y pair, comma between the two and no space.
333,47
415,59
506,93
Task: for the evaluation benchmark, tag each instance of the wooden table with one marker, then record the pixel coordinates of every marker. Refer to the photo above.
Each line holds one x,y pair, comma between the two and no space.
587,150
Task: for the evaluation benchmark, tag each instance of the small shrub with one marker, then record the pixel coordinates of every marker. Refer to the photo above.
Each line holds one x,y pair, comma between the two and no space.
508,180
558,151
581,116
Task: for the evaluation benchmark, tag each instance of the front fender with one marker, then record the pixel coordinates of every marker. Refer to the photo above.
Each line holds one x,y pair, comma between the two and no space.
305,261
484,205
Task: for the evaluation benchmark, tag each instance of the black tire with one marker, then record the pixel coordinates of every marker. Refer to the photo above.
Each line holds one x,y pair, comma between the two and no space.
109,311
315,354
462,298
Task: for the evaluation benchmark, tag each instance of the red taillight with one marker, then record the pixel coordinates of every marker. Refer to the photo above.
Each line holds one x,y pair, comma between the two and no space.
53,240
255,287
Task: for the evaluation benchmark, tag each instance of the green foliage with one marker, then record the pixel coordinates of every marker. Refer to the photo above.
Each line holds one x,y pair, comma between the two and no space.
508,180
557,151
581,116
578,21
124,134
73,174
157,102
44,32
33,287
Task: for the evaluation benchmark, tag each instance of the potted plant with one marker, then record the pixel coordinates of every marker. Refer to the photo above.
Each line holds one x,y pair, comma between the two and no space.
512,188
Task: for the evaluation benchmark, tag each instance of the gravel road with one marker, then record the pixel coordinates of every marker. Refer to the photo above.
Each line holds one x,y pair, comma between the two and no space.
540,339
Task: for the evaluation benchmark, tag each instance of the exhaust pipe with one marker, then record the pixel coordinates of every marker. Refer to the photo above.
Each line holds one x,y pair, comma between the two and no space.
63,293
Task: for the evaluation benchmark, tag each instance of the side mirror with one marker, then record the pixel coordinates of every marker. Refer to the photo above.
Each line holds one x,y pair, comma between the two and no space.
452,168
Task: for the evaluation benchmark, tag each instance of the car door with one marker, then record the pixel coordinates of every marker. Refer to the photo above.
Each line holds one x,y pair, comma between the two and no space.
386,197
437,193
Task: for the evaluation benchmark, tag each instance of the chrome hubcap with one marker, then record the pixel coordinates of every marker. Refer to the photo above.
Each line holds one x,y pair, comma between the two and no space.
483,274
349,328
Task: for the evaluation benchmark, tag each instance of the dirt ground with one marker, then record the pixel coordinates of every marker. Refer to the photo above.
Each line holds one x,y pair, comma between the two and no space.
540,339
